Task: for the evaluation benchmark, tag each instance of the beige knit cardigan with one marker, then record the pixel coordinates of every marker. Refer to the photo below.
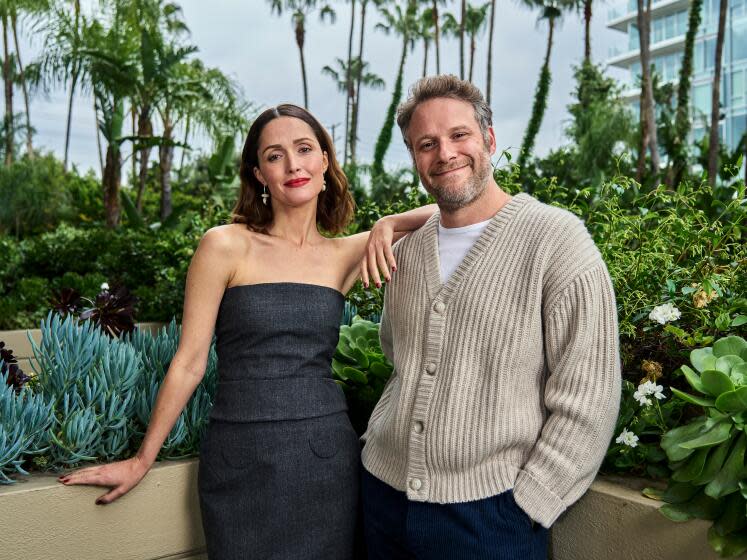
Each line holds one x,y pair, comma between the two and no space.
507,376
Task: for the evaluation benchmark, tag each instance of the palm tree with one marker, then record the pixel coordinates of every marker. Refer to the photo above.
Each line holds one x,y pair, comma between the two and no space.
109,56
648,118
153,22
713,144
358,84
462,19
425,32
9,129
490,52
437,33
32,8
300,10
550,11
359,72
587,31
349,85
61,60
404,23
678,157
474,24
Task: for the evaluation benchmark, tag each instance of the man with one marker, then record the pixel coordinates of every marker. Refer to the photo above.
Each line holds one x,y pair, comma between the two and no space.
501,325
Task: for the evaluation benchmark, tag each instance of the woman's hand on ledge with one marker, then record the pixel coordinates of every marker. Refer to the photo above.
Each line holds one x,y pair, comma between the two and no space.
120,477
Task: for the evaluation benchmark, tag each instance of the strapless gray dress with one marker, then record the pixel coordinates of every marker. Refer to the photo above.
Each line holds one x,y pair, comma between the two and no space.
279,463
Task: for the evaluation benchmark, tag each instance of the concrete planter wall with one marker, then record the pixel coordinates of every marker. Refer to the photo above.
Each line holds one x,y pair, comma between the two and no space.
158,519
18,341
613,521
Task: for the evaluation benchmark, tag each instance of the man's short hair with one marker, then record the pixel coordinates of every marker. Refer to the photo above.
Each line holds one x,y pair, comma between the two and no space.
444,85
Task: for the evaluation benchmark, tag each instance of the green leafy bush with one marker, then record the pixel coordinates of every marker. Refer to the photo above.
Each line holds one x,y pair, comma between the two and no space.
359,365
707,455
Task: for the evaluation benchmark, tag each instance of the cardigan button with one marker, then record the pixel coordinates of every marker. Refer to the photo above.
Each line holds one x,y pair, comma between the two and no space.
415,484
418,427
430,369
439,307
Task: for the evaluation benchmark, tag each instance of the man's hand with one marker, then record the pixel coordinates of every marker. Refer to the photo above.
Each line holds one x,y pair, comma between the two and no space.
120,477
378,256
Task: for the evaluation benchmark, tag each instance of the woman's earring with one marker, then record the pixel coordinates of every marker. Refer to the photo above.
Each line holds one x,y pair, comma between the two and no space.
324,185
265,195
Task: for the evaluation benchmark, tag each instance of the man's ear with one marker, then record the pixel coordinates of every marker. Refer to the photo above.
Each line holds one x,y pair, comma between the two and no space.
492,143
258,175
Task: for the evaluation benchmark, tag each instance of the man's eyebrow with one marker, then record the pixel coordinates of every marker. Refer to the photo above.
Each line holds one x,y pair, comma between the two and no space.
296,141
451,130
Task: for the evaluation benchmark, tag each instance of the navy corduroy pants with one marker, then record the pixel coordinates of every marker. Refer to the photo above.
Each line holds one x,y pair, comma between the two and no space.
494,528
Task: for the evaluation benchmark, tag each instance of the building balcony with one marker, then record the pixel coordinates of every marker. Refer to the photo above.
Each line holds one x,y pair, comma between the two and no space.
619,18
624,58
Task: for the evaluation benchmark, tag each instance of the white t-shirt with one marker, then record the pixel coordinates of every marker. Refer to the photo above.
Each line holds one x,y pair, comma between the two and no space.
454,244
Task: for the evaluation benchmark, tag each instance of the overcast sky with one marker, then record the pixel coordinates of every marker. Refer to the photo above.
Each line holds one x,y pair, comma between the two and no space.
257,48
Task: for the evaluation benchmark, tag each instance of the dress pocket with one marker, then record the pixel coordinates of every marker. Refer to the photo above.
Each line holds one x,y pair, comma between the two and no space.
326,443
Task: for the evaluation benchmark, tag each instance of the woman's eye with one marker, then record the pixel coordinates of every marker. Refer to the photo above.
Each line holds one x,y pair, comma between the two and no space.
273,157
304,149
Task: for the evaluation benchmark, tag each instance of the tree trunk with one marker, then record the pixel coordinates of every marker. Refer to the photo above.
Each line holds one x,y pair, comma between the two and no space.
648,116
348,81
300,37
490,51
144,130
385,136
437,36
133,113
682,115
540,103
111,182
426,44
461,39
166,153
74,81
7,78
471,55
587,31
713,142
98,134
24,86
356,102
180,173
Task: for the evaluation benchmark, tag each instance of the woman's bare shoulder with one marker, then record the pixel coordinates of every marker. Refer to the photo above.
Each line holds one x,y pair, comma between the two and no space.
228,239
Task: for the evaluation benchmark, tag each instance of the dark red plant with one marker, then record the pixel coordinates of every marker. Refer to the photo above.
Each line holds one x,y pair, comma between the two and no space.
113,311
16,377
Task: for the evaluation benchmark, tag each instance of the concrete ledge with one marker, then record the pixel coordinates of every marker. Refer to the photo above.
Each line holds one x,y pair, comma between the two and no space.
613,521
158,519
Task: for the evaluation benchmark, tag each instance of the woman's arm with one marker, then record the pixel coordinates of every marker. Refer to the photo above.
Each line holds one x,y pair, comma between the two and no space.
373,251
209,273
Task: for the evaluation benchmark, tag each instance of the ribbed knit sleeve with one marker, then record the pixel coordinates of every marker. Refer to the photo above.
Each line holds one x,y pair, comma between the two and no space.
581,395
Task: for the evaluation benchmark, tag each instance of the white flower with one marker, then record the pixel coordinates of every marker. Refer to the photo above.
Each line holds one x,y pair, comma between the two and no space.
645,390
627,438
105,286
664,313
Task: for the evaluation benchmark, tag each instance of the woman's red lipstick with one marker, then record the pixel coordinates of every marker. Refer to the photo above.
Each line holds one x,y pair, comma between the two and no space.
296,182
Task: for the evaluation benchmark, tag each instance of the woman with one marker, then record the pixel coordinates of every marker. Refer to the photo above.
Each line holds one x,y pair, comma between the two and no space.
278,474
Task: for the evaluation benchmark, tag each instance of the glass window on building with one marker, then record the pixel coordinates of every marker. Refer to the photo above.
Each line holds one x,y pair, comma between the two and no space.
681,23
635,72
710,53
698,58
657,30
738,127
738,87
633,40
702,99
669,28
738,8
738,42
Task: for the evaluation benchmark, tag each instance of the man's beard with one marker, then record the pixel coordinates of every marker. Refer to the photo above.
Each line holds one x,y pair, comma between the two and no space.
455,197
